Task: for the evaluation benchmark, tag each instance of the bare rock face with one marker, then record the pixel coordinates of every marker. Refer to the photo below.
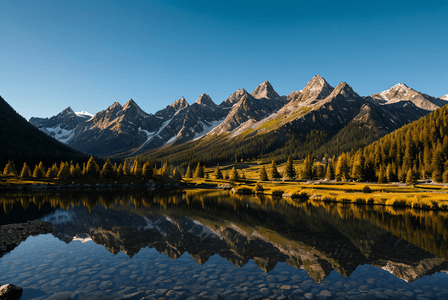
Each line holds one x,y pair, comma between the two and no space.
401,92
10,292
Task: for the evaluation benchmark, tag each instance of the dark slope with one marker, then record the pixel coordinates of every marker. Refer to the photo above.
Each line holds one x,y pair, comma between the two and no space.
21,141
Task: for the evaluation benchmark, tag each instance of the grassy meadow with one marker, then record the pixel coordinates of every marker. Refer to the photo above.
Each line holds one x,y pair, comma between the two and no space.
422,195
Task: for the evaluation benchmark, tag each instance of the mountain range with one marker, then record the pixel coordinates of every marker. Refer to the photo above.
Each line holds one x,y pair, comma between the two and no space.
243,119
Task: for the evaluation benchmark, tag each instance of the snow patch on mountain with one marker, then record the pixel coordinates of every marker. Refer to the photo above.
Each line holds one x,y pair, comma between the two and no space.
84,114
62,135
207,128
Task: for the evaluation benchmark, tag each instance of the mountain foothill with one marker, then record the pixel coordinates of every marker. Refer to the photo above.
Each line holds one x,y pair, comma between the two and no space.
318,119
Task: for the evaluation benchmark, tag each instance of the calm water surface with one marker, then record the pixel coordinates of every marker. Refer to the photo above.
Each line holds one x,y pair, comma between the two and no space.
214,245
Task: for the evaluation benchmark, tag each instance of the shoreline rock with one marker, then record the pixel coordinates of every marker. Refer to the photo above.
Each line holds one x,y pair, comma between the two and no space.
10,292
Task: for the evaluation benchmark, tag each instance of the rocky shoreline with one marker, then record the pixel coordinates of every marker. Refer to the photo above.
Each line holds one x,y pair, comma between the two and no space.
12,235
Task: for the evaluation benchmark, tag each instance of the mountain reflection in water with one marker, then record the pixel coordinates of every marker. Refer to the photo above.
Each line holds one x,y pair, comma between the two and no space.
315,236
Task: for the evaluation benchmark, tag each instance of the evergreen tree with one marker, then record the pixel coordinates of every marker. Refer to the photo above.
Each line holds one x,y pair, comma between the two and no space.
108,170
320,172
64,170
164,171
411,176
10,169
120,170
390,176
39,171
438,161
289,172
204,175
218,173
263,174
382,178
188,173
234,174
342,168
52,172
126,170
402,174
358,171
307,171
136,168
445,176
330,172
75,171
199,172
26,172
274,172
176,174
147,171
92,168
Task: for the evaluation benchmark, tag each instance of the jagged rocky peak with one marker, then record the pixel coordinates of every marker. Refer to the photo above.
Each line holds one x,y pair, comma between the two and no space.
179,104
115,106
131,103
265,90
68,110
205,99
316,88
234,98
345,90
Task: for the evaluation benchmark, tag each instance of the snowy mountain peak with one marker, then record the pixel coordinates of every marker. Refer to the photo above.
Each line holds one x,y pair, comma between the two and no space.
205,99
445,97
265,90
84,114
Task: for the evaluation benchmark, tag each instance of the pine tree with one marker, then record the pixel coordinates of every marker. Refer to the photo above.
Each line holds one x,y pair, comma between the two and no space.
199,172
289,169
445,176
10,169
164,171
136,168
402,174
64,170
263,174
411,176
382,178
390,176
126,170
26,172
330,172
75,171
92,168
120,170
176,174
218,173
188,173
342,168
53,171
108,170
274,172
359,161
234,174
307,171
147,170
39,171
438,161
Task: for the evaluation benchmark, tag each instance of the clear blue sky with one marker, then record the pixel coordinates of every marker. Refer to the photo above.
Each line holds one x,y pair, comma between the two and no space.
89,54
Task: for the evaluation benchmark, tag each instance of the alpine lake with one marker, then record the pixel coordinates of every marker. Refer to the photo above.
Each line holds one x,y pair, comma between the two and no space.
213,244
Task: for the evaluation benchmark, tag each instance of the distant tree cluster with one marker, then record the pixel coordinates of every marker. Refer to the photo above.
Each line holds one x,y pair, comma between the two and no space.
91,169
416,151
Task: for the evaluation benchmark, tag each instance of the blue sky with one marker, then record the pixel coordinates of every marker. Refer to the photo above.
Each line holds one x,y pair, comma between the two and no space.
89,54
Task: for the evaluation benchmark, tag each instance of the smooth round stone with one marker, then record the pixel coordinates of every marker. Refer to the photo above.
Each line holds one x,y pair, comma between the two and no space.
324,293
308,296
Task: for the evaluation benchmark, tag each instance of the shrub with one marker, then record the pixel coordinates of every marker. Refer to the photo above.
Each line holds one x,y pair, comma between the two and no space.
302,195
259,189
366,189
277,193
243,190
